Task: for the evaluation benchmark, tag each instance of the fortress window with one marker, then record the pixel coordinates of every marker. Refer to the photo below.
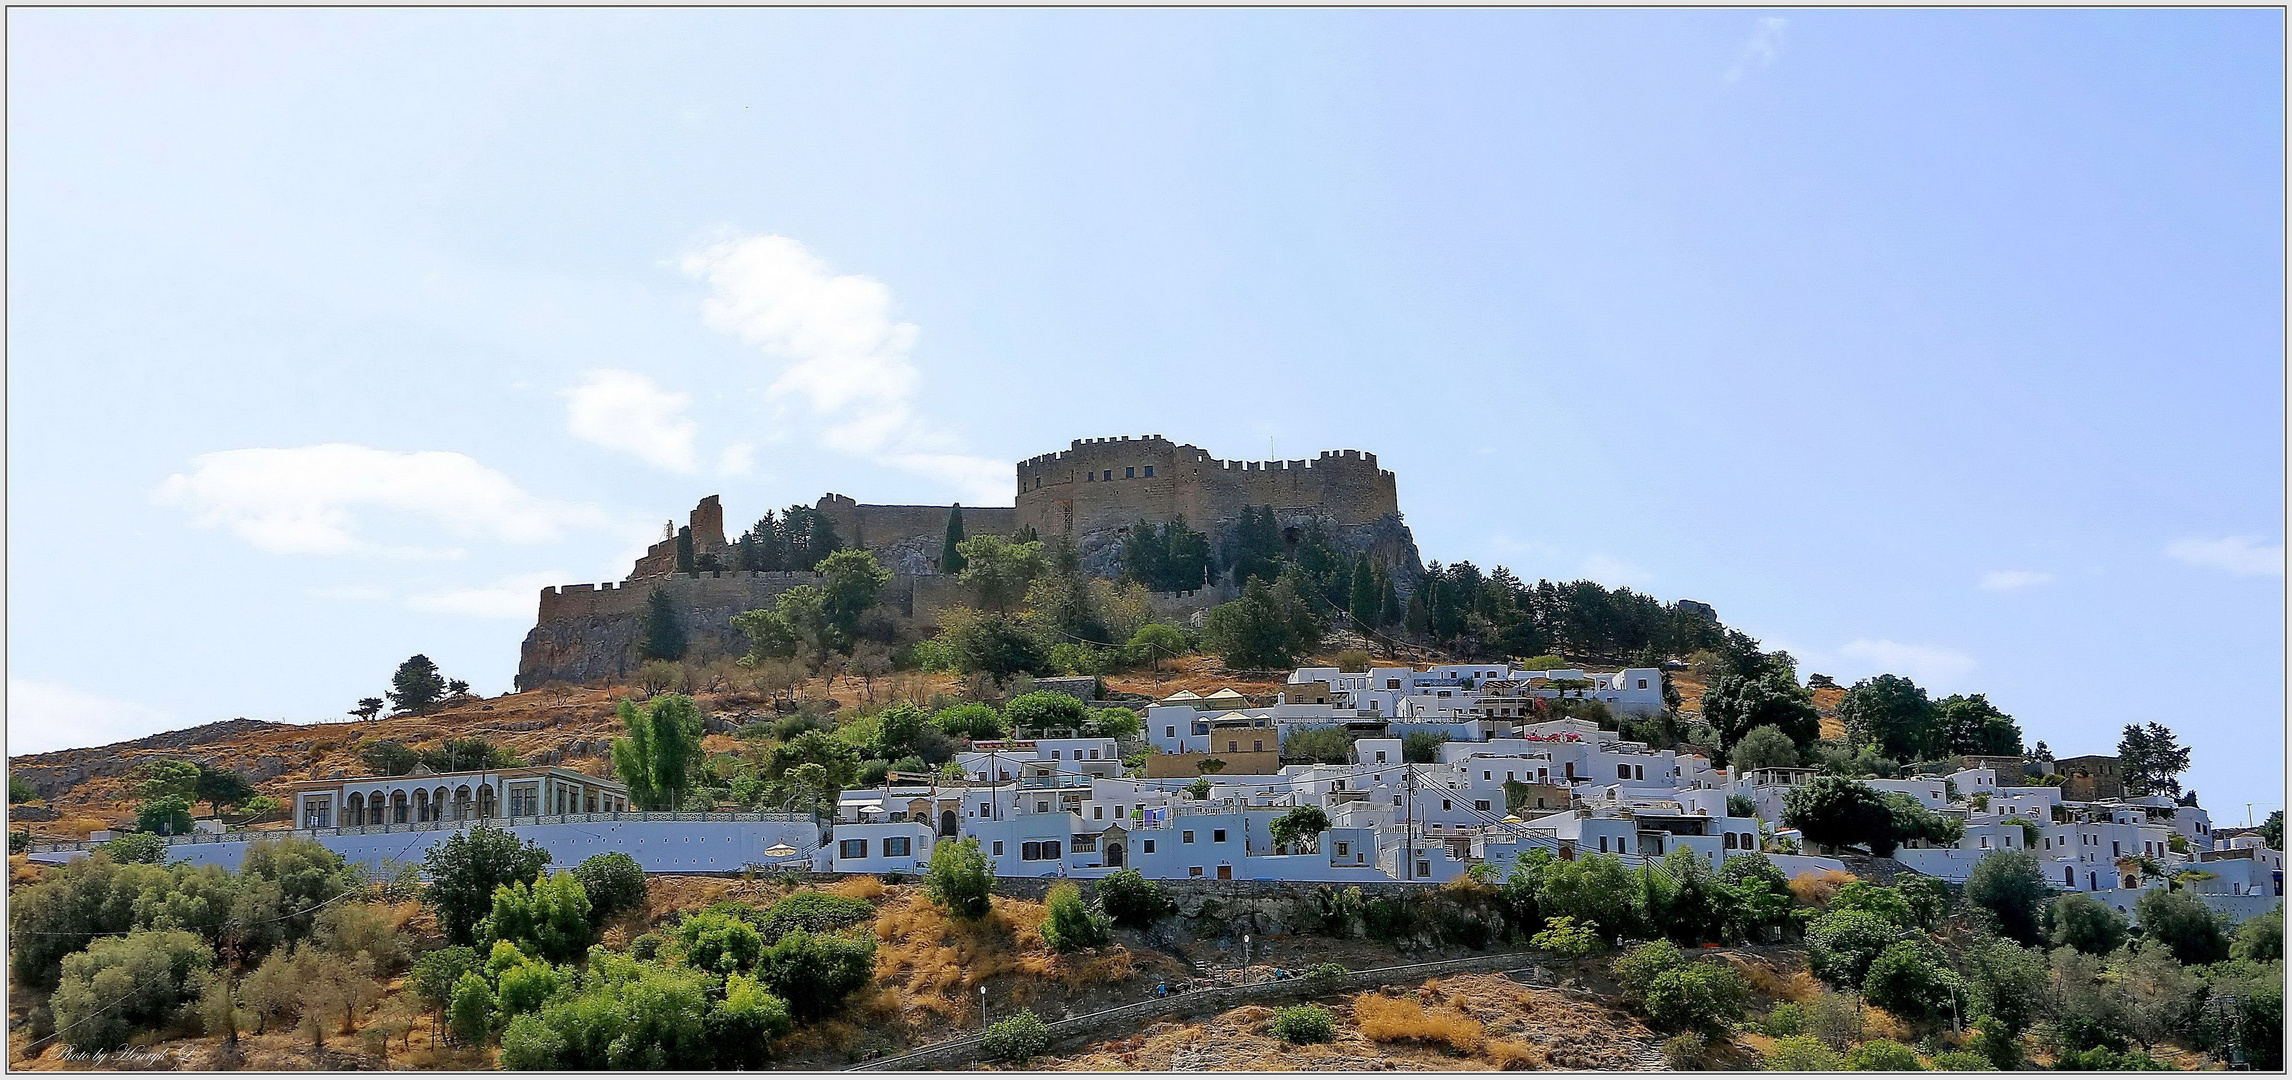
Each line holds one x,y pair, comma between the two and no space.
1149,471
1110,474
1130,473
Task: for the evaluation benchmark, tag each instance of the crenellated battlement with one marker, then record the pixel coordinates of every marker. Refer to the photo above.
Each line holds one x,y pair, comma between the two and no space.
1110,483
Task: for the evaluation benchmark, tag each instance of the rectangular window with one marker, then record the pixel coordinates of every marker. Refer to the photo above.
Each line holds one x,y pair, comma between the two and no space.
998,847
1643,684
1149,471
1623,772
1217,836
1603,845
985,810
1186,837
854,849
1257,745
1094,755
1480,805
1169,732
1424,869
1084,843
1193,871
1042,806
1129,473
1031,851
1097,813
1344,849
1146,846
895,846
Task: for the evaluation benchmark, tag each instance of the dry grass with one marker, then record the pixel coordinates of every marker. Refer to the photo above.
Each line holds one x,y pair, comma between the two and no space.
1514,1054
866,887
1385,1019
1817,889
22,871
1775,982
937,962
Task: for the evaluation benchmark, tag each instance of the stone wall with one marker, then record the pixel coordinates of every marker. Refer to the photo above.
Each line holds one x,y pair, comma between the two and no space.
908,538
955,1053
591,633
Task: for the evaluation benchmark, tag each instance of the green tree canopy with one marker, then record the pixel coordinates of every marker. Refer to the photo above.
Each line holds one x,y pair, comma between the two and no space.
950,551
2151,759
1893,714
663,637
1166,558
416,685
466,867
1736,705
998,570
2010,887
1971,725
657,756
853,582
1302,826
1836,811
1764,748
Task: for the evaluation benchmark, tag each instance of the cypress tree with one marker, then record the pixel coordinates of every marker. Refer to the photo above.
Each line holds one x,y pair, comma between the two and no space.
664,634
950,559
1389,601
684,550
1363,601
1420,608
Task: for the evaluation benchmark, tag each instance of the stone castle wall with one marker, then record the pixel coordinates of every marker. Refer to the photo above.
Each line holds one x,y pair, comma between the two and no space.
1099,484
908,538
591,633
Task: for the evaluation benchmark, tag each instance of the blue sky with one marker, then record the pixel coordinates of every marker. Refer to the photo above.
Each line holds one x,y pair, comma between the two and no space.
1941,342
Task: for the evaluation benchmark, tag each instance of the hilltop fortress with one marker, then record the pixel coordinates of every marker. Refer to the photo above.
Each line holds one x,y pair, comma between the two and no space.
1094,492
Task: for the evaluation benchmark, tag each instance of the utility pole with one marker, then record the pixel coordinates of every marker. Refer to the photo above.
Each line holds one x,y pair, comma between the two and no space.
1409,820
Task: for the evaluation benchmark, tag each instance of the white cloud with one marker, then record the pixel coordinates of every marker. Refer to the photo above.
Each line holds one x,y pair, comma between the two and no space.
315,500
622,410
2243,556
841,354
845,355
1932,666
1611,571
1764,47
511,599
2009,580
736,460
45,716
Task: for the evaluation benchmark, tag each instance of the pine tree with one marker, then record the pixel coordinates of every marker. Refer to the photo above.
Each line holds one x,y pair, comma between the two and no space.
1363,601
664,633
417,685
950,558
1419,618
1389,611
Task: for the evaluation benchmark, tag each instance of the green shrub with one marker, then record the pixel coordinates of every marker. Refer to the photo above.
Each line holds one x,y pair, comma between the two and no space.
1636,970
814,973
548,919
1706,997
745,1022
530,1044
1565,937
1325,974
2184,924
614,882
1070,924
960,878
2084,924
1912,980
1016,1038
1883,1055
1785,1020
435,974
1304,1024
141,847
469,1015
2102,1059
1802,1053
1962,1061
971,720
121,985
720,942
1684,1053
1132,899
527,987
1841,944
814,911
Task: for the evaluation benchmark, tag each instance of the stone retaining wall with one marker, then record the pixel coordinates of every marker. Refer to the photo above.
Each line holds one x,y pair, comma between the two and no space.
955,1053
